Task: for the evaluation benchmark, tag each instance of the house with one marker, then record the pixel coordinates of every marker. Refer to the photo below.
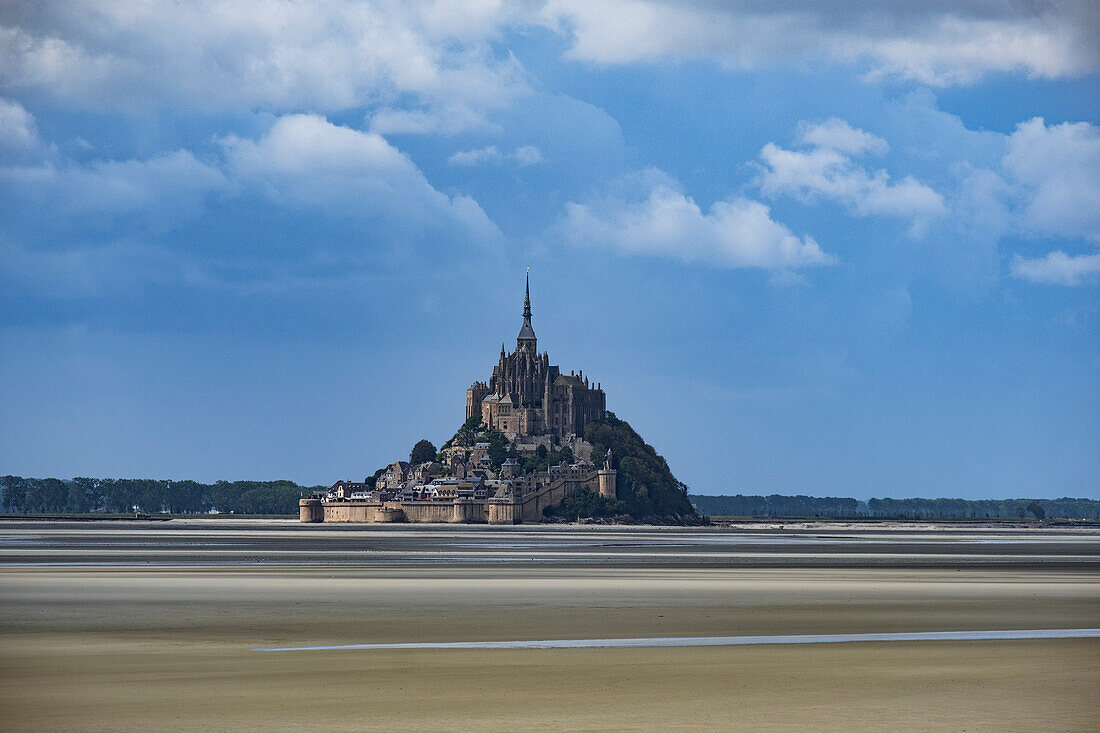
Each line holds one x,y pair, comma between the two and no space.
395,475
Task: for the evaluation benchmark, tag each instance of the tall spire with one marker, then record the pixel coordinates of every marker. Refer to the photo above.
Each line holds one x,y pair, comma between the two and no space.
527,299
526,340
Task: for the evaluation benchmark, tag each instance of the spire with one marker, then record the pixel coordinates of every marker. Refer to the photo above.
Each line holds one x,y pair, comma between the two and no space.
526,340
527,298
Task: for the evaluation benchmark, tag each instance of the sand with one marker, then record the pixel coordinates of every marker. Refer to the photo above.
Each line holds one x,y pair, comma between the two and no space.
171,648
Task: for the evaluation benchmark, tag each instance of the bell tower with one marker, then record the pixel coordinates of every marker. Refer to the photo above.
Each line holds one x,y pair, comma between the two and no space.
526,340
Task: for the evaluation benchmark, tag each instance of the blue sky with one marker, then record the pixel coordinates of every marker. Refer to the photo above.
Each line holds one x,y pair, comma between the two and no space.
837,250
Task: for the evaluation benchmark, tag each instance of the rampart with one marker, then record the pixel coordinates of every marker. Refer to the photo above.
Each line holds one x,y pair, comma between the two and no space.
517,510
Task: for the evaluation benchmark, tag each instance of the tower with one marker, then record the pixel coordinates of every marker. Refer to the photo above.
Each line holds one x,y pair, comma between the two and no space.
526,340
607,479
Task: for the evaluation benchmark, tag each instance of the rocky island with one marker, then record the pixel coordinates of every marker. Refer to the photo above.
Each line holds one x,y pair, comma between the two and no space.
537,444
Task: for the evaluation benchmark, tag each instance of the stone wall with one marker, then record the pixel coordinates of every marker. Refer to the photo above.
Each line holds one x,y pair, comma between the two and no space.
463,511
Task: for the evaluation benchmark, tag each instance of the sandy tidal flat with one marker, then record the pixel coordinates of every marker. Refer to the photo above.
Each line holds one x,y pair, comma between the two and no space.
172,647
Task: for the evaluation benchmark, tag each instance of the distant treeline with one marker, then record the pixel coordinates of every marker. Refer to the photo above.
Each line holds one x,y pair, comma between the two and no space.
150,496
776,506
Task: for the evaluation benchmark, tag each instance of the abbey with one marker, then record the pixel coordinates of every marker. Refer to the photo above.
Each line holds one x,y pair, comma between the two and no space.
527,396
520,453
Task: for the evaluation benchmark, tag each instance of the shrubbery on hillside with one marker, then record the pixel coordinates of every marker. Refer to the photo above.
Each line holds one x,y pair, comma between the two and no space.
585,503
646,486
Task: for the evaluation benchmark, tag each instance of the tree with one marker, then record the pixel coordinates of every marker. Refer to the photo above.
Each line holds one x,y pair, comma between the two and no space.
498,447
1037,510
15,493
645,483
467,433
47,495
84,495
585,503
422,452
372,480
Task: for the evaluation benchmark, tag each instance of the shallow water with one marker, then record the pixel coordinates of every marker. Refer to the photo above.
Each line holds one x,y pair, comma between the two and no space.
679,641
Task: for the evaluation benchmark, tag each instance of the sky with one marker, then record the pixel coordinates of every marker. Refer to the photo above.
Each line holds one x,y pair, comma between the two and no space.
822,248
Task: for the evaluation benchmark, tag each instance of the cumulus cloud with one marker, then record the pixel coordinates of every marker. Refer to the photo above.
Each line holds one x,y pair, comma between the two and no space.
660,220
1052,177
1057,268
937,43
335,174
305,160
523,155
157,193
18,132
241,54
827,170
836,134
1058,166
438,65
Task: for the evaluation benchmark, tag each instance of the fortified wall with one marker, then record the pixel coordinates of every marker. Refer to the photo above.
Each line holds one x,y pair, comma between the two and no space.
504,510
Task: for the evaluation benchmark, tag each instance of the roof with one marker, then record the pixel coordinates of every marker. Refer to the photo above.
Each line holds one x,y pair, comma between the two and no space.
526,333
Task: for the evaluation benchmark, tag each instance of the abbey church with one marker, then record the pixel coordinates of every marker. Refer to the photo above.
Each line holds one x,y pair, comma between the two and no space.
540,411
527,396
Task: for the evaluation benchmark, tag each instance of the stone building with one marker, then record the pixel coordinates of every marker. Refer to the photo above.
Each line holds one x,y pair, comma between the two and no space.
527,395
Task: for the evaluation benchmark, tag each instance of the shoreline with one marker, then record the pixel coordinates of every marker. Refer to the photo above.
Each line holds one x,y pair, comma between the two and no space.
805,523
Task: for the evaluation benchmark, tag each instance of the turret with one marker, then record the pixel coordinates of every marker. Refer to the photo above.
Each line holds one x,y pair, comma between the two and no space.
607,479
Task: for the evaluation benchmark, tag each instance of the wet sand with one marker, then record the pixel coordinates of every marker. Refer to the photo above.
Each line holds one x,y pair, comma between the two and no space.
170,645
284,542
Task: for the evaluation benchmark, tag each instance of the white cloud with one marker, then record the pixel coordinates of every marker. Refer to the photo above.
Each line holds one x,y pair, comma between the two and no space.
303,162
436,65
1058,167
436,120
158,192
837,134
172,185
527,155
664,222
937,43
523,155
240,54
306,161
1057,268
18,132
479,156
1052,177
827,170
